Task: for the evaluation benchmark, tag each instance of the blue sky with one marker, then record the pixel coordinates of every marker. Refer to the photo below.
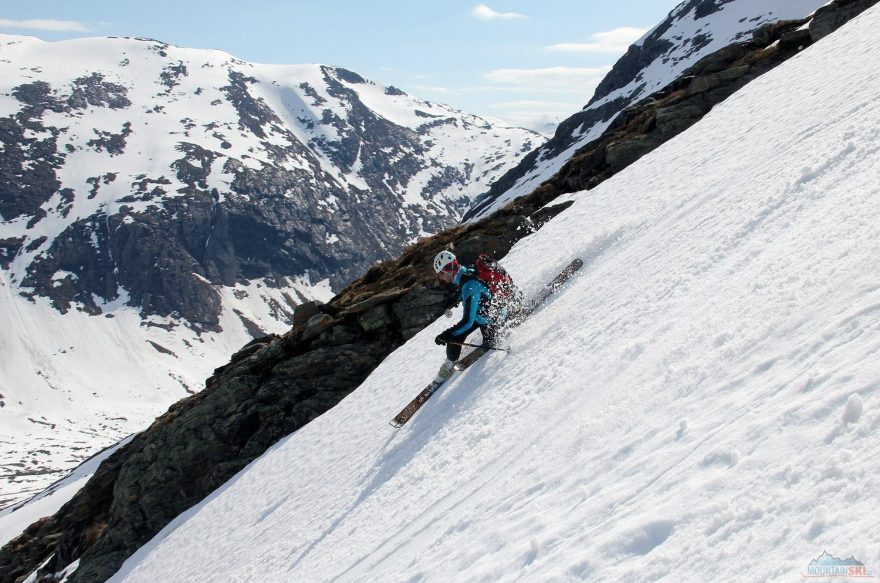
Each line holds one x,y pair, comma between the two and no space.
523,62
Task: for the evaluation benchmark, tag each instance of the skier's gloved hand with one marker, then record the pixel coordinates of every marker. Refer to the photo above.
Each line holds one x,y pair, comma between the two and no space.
443,338
448,313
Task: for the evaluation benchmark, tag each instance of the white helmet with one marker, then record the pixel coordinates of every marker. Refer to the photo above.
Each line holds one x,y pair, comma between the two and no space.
444,259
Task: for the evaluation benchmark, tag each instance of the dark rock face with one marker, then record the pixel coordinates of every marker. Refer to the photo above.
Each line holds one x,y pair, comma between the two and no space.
27,167
831,17
707,7
94,91
9,248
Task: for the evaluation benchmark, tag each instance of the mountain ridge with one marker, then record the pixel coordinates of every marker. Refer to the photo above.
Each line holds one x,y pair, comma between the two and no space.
694,29
183,202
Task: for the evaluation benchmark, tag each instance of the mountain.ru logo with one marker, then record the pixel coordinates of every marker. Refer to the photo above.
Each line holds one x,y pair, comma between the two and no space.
826,565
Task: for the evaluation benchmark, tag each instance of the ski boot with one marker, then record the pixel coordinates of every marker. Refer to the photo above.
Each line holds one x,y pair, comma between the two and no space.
444,373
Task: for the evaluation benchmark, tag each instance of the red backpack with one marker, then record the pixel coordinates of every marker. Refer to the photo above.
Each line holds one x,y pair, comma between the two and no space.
495,277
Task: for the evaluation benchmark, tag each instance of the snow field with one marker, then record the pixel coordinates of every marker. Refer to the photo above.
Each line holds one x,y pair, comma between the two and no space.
700,402
117,372
15,519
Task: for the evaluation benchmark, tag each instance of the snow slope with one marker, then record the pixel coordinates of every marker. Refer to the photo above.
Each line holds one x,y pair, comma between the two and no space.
701,402
72,383
15,519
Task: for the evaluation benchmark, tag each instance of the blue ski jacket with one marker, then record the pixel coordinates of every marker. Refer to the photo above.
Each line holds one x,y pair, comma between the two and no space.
475,300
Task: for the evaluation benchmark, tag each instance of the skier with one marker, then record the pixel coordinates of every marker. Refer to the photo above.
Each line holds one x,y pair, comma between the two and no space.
479,310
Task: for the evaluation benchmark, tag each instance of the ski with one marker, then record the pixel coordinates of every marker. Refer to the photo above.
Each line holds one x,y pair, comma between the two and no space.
415,404
552,287
475,354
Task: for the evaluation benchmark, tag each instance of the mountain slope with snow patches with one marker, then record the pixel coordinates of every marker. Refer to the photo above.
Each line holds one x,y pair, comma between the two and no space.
706,390
162,206
693,30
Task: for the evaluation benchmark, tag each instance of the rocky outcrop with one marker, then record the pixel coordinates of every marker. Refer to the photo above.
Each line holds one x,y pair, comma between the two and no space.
831,17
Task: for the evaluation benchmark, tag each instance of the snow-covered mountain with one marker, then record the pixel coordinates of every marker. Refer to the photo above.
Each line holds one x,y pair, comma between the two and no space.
694,29
707,389
160,206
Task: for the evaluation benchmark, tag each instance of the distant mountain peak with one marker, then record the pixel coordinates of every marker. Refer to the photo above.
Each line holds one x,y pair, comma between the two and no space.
186,199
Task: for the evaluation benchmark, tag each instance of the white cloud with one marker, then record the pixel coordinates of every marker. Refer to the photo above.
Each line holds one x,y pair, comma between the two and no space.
581,80
483,12
52,25
569,89
613,41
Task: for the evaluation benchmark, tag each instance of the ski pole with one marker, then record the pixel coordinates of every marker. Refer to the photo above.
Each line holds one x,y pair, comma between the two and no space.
479,346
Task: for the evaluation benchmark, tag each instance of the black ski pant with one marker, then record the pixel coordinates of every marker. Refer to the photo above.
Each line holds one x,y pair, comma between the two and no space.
453,351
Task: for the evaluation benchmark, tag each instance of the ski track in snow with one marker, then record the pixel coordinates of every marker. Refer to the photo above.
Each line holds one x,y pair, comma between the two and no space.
700,402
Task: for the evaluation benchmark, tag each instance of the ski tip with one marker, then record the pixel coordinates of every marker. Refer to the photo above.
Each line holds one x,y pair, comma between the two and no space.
395,424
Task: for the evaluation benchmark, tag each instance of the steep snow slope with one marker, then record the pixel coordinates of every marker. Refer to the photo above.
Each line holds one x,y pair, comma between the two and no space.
693,29
703,399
